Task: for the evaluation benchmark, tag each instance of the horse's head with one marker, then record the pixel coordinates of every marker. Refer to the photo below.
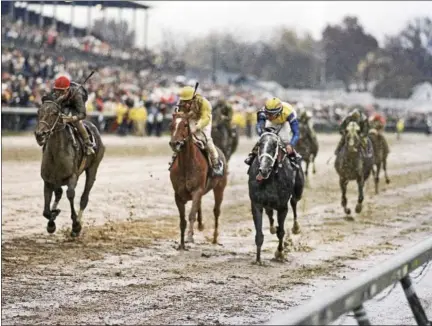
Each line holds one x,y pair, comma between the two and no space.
268,150
180,131
352,136
49,117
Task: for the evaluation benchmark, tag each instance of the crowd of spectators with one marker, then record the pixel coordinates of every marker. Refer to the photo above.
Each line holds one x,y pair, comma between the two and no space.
140,99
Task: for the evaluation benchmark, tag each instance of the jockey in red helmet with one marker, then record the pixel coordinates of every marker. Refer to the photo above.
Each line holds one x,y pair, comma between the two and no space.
73,96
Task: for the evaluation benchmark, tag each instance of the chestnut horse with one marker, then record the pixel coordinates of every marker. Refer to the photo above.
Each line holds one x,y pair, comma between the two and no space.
191,177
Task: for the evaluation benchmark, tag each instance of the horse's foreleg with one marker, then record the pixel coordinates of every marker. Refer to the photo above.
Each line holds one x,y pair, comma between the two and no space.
307,167
360,185
385,170
313,164
281,216
48,192
343,185
200,222
58,195
181,206
269,213
70,193
196,203
376,177
257,211
218,192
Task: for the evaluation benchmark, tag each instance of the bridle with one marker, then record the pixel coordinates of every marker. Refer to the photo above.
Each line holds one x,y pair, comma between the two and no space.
272,158
52,128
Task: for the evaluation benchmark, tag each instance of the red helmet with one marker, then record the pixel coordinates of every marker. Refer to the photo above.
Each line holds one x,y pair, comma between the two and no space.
62,83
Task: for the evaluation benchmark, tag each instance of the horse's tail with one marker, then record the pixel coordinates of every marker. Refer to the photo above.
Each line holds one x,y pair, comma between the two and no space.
298,184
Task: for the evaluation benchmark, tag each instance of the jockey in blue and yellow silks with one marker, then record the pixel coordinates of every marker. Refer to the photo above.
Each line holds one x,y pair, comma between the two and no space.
275,114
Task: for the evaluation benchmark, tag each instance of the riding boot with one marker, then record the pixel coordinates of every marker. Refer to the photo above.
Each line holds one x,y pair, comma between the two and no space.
339,146
173,157
89,146
251,156
215,160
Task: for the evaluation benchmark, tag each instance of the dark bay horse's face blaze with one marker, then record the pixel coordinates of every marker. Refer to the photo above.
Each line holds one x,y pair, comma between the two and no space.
48,117
267,153
352,137
179,132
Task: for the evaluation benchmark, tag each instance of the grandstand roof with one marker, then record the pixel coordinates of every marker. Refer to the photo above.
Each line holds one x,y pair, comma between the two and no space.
112,4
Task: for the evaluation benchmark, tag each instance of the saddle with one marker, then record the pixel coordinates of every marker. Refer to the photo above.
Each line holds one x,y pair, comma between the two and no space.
75,134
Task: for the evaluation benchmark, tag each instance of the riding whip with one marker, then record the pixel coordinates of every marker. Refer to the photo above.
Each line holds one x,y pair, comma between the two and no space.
88,77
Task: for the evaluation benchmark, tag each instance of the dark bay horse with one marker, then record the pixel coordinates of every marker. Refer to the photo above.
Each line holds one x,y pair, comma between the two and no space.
225,139
191,178
307,148
352,163
380,156
63,161
272,183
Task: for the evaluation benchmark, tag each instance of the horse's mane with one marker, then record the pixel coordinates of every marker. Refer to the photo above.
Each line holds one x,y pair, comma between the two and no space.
48,98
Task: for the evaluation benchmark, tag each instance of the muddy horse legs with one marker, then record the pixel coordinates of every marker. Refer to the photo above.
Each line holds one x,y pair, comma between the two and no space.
384,162
281,216
196,204
70,193
47,213
90,179
218,192
181,206
257,212
360,185
269,213
343,183
376,177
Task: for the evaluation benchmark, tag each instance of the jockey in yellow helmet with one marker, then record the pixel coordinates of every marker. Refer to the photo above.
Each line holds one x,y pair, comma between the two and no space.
200,111
275,114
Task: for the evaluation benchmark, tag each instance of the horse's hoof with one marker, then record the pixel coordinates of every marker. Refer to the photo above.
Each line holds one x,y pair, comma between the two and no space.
48,215
55,213
279,255
258,263
358,208
51,227
76,229
182,248
273,230
348,211
190,239
201,227
296,229
387,181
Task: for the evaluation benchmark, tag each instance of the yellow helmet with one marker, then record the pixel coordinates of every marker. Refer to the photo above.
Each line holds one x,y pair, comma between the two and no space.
186,93
273,105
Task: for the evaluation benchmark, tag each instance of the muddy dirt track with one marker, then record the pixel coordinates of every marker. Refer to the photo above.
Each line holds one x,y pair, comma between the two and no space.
124,268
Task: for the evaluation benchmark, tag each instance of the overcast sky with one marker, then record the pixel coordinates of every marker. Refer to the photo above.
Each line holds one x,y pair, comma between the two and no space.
255,19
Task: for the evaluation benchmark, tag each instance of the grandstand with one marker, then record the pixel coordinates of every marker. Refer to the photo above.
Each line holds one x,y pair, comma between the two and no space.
20,10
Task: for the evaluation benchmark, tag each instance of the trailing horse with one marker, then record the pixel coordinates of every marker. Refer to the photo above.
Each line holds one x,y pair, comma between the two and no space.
272,183
63,161
307,148
191,177
353,163
381,152
225,139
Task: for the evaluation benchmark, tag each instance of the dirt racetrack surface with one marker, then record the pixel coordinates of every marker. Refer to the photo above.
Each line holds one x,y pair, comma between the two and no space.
124,268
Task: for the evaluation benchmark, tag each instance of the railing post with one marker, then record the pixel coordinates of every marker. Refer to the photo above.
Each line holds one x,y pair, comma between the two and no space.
414,302
361,316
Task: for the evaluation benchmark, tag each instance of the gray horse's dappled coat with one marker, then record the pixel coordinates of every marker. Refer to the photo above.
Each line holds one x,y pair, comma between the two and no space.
277,184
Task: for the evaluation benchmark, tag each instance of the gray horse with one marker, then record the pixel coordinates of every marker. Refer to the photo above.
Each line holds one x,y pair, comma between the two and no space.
352,163
63,161
272,183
